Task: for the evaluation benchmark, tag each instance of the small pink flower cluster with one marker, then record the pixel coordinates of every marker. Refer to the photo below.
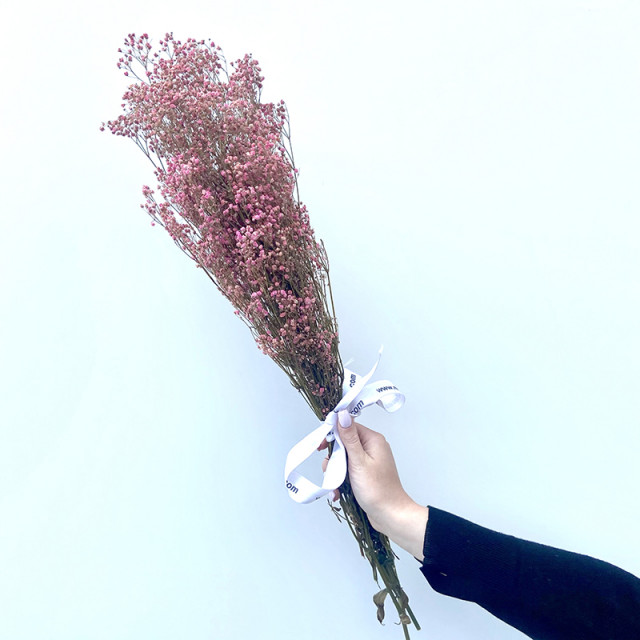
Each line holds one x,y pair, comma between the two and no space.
228,196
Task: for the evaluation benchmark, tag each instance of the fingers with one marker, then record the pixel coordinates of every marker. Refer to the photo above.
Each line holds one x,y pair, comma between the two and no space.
350,437
344,419
369,437
369,455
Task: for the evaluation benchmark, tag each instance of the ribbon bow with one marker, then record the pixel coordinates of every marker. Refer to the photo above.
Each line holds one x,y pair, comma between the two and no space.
358,394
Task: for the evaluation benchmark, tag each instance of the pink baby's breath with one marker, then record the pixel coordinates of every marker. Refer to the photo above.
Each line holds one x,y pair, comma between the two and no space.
227,194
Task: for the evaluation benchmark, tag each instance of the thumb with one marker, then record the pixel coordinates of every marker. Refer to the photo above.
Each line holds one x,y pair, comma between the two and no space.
350,438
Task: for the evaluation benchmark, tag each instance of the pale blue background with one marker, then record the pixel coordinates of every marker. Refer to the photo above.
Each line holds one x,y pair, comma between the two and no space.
473,169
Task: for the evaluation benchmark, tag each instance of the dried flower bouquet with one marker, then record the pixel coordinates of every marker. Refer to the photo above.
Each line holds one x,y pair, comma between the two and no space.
228,196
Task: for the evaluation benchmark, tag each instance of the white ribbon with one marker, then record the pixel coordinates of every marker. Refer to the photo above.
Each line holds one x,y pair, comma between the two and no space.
358,393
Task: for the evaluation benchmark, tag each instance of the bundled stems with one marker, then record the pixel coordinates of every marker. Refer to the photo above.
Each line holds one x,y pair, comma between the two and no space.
376,548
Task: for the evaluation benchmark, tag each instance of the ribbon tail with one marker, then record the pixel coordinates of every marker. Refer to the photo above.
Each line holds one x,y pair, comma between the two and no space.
301,489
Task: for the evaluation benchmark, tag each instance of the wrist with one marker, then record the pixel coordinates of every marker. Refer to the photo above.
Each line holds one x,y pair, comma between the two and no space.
406,524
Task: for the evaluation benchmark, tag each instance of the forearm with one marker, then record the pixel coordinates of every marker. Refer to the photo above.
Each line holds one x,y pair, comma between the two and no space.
406,525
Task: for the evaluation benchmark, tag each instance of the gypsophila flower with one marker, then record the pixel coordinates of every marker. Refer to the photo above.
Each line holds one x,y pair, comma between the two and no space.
227,194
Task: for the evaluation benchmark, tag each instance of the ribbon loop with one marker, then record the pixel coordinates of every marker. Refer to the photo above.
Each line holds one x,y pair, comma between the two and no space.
358,394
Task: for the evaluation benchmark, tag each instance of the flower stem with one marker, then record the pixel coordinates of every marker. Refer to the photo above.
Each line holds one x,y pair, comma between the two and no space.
376,548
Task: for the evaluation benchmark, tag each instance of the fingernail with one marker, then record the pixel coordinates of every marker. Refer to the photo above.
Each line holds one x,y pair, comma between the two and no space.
344,419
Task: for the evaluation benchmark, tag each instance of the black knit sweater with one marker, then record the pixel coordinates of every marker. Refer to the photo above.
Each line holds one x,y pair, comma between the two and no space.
546,593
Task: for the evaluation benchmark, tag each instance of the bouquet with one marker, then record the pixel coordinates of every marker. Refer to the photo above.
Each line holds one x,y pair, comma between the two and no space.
227,193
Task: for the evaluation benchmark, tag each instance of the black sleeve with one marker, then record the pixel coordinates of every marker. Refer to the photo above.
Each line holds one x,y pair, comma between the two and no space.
546,593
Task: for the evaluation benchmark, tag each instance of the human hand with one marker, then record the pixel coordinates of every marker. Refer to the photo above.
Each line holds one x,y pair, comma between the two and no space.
377,488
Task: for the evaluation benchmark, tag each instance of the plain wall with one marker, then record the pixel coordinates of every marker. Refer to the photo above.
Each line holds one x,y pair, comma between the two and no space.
473,170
